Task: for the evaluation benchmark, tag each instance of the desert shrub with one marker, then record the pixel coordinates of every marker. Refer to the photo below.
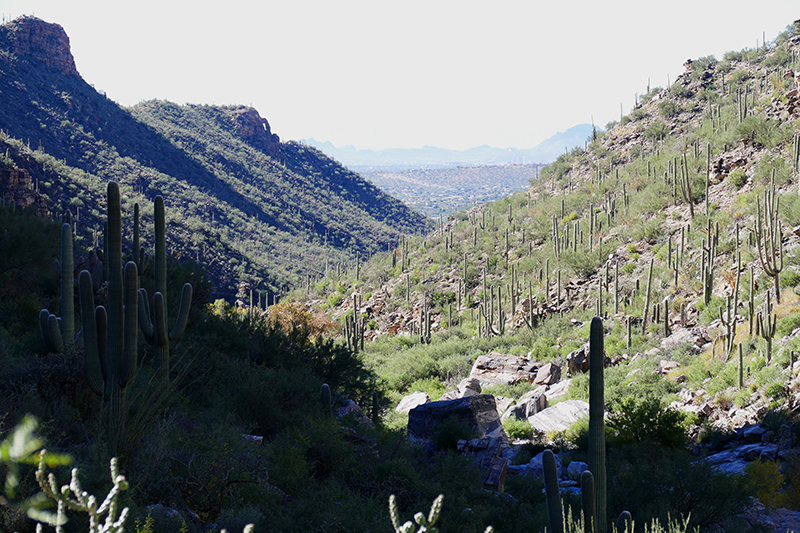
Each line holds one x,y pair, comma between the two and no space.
511,391
679,91
656,482
656,131
298,322
758,130
765,480
518,429
714,436
738,76
430,386
737,178
668,108
636,419
342,369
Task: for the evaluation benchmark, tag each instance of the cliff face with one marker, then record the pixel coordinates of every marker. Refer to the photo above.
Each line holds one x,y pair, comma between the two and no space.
33,38
16,190
255,129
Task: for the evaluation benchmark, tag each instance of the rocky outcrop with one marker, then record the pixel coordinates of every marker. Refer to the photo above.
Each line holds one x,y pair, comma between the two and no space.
477,413
15,189
560,416
255,129
504,369
33,38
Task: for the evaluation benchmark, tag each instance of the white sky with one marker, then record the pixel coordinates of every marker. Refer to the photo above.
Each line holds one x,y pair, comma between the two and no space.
403,74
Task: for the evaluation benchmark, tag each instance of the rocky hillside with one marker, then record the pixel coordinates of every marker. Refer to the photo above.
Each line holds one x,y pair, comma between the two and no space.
678,225
247,206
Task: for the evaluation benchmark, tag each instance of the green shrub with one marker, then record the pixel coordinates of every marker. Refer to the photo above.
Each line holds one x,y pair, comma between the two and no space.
636,419
765,480
737,178
668,108
653,483
518,429
656,131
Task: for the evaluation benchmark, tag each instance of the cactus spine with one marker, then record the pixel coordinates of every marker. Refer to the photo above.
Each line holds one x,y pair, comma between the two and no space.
56,329
109,333
597,442
155,331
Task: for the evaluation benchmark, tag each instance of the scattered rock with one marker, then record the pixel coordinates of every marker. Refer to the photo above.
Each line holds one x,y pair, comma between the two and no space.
536,467
503,369
575,469
469,387
560,416
665,367
558,390
411,401
549,374
695,337
528,405
578,360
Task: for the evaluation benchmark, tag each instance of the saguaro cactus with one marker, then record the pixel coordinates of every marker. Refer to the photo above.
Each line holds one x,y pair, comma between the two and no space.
56,329
588,501
109,333
597,440
553,495
769,237
156,331
767,322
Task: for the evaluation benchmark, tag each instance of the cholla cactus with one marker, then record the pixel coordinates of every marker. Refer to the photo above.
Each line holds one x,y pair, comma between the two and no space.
73,497
426,524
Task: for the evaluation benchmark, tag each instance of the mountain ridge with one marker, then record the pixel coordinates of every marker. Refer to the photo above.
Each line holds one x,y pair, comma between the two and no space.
392,159
250,208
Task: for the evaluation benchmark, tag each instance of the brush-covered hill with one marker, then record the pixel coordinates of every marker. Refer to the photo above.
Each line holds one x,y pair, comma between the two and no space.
239,201
681,218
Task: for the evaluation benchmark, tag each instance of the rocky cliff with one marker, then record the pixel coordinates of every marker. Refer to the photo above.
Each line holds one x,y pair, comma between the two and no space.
33,38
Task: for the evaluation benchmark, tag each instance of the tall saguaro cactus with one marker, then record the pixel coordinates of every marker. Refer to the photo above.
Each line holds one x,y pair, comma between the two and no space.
769,237
55,330
156,331
109,333
552,491
597,440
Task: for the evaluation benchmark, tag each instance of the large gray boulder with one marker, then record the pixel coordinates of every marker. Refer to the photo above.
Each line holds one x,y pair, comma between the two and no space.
560,416
478,414
496,368
411,401
528,405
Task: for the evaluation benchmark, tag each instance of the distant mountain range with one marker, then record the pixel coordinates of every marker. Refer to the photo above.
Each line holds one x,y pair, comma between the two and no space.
431,157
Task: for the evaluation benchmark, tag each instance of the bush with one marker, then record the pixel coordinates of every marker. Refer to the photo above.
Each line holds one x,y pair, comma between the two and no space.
644,420
765,480
653,482
518,429
737,178
668,108
656,131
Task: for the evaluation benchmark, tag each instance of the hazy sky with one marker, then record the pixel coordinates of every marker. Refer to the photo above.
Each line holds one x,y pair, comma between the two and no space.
403,74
